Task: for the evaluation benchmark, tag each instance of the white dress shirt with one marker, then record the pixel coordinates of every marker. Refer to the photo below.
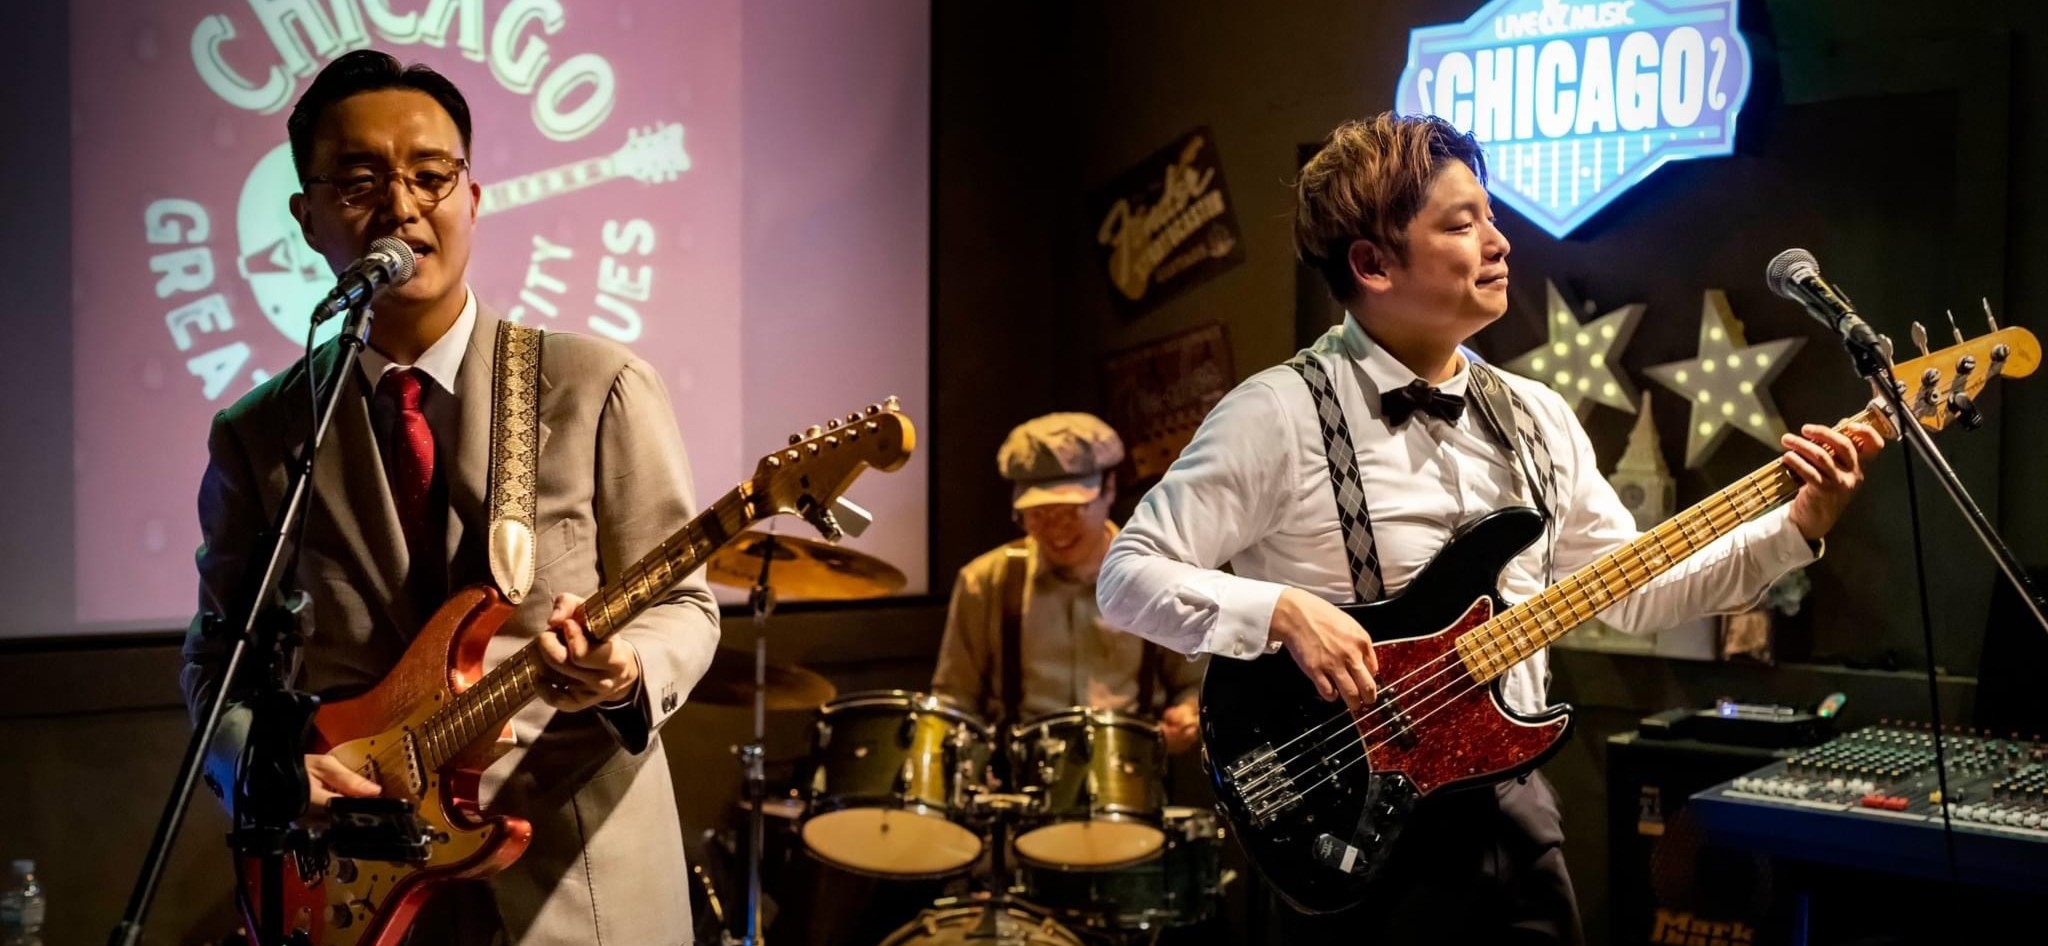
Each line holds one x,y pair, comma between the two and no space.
1253,490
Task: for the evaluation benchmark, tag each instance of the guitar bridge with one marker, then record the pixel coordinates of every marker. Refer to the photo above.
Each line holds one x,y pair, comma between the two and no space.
1263,785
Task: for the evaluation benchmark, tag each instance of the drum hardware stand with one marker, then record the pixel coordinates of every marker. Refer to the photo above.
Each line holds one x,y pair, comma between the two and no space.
762,600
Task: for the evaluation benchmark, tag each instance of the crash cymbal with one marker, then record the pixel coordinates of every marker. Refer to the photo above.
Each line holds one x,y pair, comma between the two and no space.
803,568
730,682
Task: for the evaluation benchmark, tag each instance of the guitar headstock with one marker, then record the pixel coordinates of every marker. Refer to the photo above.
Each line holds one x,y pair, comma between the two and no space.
1941,388
653,154
806,477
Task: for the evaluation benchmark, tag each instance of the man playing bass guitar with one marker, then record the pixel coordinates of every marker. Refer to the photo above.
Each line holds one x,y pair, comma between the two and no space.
1338,476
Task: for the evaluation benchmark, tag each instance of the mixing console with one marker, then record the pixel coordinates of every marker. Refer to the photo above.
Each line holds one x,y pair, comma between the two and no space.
1873,794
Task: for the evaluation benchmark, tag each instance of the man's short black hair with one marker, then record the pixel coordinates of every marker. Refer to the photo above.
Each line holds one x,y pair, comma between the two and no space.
367,70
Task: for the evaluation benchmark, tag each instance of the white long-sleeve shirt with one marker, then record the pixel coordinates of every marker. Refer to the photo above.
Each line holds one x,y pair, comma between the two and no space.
1253,490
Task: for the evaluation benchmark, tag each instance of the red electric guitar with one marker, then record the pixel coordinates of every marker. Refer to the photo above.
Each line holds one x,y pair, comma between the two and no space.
430,728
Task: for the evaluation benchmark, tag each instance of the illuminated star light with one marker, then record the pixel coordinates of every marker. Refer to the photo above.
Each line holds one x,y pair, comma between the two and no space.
1579,360
1729,384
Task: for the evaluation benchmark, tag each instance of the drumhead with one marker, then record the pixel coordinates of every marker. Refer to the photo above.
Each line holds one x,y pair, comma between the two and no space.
1095,843
891,842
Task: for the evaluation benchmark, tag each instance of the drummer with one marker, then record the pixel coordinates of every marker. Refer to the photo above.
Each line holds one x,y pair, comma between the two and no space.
1035,597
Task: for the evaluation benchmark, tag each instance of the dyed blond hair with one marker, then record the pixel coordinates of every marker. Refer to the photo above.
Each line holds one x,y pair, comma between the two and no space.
1367,183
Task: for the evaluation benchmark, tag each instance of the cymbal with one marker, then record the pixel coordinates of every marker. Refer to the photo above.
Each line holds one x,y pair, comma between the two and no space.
803,568
730,682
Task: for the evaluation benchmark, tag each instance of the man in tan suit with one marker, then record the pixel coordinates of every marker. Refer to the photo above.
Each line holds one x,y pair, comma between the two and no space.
398,519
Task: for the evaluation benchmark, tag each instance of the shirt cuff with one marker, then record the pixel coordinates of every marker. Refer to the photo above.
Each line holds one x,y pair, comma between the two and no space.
629,699
1783,548
1244,613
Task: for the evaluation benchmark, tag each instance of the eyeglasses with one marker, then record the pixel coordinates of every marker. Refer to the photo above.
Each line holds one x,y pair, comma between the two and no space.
430,180
1057,514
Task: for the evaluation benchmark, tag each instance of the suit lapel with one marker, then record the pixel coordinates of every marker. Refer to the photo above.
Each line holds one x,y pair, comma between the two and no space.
469,477
350,478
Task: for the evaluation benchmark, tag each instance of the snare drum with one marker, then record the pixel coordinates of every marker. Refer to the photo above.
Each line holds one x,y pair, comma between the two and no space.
1180,887
890,774
990,921
1098,778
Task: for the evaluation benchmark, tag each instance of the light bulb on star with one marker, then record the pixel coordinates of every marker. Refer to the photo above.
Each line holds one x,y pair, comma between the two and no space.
1729,384
1580,361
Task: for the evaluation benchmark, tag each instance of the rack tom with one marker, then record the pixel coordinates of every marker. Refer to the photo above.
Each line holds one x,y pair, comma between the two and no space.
1098,780
890,777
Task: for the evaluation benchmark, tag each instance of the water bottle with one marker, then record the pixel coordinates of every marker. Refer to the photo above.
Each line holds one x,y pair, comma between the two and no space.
21,908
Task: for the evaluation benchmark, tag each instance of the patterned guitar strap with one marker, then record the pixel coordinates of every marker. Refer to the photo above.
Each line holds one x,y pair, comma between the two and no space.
515,458
1515,429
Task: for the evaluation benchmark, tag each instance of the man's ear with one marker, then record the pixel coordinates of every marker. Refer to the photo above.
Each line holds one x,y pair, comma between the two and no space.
302,211
1369,266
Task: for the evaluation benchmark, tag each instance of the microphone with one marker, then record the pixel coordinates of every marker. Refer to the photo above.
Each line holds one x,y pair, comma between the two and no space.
1795,274
389,263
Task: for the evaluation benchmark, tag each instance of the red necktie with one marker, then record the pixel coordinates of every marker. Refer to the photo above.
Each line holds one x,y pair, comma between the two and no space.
411,467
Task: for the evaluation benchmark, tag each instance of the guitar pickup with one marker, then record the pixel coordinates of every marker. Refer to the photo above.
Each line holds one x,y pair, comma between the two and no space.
1262,784
1404,730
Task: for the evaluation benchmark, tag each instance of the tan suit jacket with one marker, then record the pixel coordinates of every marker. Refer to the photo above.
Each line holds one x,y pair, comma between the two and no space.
606,862
1061,661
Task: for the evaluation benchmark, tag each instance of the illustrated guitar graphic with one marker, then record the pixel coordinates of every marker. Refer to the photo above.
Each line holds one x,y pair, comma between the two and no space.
427,731
1317,795
651,155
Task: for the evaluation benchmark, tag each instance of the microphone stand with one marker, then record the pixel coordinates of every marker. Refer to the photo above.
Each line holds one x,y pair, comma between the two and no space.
1874,364
270,787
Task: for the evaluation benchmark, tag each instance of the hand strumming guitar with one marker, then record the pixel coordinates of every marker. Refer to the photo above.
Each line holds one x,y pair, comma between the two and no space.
328,779
1329,647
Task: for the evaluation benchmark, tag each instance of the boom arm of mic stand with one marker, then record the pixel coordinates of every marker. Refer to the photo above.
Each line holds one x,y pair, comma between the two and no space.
129,931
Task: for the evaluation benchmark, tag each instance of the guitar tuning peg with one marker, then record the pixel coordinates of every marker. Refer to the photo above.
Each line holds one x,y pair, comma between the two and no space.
1884,344
832,424
1952,326
1988,317
795,439
874,409
1920,338
813,431
852,419
891,405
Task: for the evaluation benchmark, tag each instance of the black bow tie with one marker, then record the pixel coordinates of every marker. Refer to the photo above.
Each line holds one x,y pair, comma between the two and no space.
1401,403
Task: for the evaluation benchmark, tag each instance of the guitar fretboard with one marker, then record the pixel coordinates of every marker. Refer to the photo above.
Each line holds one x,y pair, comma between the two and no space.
491,701
1519,632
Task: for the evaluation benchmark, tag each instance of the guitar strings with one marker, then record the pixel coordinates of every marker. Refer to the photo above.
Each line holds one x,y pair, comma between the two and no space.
1715,514
1714,518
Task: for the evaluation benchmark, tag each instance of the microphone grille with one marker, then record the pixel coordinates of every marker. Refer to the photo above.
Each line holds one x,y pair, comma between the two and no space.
1778,275
403,265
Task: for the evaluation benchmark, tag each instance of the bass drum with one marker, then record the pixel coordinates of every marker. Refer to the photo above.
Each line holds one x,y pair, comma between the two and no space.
982,921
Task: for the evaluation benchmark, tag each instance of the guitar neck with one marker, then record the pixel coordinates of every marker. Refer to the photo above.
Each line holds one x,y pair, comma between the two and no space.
489,703
541,185
1526,628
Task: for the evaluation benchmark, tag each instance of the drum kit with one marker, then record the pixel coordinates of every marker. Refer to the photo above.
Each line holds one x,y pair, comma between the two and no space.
1054,832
